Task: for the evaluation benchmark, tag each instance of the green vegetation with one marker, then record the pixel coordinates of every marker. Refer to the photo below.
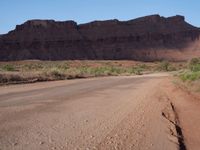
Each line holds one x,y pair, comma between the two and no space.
32,71
194,65
193,71
189,76
8,67
166,66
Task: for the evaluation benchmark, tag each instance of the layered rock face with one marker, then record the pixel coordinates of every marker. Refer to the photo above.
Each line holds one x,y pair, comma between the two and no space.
147,39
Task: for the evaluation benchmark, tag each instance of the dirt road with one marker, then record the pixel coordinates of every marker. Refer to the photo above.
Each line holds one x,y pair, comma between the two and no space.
100,113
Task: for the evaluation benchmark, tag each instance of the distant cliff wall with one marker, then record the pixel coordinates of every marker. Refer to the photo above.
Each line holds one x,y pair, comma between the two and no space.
147,39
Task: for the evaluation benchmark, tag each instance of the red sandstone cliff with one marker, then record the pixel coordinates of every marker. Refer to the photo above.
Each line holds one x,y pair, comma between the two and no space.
148,38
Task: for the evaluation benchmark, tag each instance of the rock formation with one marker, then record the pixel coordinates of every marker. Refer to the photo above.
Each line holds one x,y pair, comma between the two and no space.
147,39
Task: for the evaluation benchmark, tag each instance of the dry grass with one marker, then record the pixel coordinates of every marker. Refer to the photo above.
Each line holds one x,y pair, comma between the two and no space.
33,71
189,78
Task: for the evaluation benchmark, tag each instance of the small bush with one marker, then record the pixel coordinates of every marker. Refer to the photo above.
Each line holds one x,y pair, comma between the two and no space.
143,66
6,78
136,70
190,76
57,74
8,67
164,66
194,64
193,72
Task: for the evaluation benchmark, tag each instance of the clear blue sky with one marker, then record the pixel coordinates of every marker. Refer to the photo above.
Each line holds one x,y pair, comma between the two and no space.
13,12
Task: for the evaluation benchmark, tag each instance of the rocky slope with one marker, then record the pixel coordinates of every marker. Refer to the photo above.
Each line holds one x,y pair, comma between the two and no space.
148,38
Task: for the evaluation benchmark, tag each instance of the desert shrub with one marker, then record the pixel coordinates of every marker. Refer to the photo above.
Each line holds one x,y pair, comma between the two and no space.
164,66
143,66
172,68
3,78
194,64
193,71
190,76
14,78
85,70
6,78
137,70
115,70
33,67
8,67
56,73
99,71
63,66
104,70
